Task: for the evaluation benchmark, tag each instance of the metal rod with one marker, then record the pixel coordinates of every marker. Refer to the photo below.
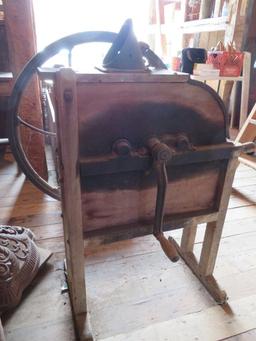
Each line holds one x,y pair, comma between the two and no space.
41,131
162,182
161,153
218,89
70,57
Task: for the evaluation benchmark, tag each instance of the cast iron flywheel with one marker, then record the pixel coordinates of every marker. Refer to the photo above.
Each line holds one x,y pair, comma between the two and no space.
22,81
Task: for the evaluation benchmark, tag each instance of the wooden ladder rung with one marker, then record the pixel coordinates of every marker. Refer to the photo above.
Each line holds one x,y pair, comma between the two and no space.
248,160
253,121
248,134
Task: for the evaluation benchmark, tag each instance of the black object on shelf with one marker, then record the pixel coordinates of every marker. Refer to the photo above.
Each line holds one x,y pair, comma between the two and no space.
190,56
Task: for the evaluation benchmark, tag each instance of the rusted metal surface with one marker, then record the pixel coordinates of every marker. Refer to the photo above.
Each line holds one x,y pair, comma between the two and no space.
161,153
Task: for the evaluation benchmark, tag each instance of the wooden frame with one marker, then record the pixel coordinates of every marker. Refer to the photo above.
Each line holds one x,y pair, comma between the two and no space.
69,168
204,268
67,122
2,337
248,134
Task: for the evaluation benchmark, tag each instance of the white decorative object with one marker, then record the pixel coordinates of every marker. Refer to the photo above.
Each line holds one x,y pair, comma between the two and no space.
19,263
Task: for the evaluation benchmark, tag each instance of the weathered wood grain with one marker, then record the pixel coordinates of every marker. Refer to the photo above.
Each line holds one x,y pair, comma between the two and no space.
131,283
197,326
68,146
121,207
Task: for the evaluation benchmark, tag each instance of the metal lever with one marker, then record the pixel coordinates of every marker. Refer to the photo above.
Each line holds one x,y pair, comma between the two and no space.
161,154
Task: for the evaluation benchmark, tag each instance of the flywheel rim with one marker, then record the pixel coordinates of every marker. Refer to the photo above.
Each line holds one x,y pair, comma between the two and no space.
21,82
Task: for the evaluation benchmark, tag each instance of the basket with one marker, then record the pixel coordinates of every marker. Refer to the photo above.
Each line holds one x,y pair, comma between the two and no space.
229,63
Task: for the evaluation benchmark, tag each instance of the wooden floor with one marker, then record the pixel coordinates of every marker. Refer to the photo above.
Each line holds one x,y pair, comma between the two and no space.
135,293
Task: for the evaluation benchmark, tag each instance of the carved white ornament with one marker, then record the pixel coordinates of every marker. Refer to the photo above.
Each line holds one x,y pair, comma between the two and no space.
19,263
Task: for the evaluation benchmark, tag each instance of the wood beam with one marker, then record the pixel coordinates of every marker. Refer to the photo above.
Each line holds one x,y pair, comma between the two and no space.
20,30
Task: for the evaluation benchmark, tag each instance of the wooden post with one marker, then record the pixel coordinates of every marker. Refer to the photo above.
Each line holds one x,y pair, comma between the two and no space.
68,146
245,89
248,134
248,131
214,229
188,238
205,9
217,8
158,32
2,337
20,30
204,268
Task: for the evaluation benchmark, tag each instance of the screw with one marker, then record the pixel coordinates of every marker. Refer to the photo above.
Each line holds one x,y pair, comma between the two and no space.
68,95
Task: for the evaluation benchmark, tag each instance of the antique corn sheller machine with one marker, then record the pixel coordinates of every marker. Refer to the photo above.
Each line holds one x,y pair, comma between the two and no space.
141,150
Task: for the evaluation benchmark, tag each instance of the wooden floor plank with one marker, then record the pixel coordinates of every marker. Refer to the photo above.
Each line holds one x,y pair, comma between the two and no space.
211,324
246,336
148,244
133,289
50,331
144,285
34,220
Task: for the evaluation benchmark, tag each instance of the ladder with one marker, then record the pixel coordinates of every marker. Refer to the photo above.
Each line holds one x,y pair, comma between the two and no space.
248,134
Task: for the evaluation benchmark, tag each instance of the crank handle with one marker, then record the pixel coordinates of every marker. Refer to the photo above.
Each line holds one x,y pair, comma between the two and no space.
161,154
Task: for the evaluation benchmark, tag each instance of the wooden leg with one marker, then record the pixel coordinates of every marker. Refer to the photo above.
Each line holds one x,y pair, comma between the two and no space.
214,229
204,269
210,247
2,337
74,247
68,146
81,319
209,282
245,89
83,327
188,238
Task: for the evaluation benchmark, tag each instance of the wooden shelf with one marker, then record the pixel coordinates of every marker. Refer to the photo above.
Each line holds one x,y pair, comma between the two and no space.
216,78
205,25
245,79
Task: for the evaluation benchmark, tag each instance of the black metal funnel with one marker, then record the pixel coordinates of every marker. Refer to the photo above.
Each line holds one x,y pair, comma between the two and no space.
125,53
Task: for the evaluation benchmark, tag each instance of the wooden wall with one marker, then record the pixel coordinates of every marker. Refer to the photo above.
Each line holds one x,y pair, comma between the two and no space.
20,30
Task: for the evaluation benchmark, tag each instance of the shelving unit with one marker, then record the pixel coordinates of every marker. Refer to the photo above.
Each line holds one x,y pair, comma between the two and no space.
245,79
205,25
207,31
209,20
214,78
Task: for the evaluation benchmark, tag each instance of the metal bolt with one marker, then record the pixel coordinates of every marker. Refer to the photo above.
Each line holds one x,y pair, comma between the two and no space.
122,147
68,95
